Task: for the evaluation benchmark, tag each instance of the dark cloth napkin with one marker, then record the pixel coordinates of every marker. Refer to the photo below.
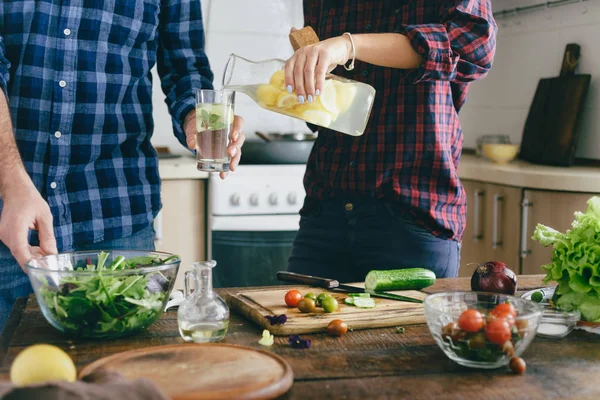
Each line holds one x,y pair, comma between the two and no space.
101,385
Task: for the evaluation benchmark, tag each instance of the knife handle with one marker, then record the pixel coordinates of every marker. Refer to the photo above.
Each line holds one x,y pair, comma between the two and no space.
307,280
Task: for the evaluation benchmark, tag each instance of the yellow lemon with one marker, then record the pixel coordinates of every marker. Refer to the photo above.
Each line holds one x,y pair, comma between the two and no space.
268,94
317,117
286,100
278,79
42,363
345,95
328,99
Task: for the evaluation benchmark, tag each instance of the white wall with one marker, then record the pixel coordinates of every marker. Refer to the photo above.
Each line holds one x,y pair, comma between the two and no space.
531,46
255,29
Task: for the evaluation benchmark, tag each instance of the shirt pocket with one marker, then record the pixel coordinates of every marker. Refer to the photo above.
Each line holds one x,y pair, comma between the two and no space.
134,23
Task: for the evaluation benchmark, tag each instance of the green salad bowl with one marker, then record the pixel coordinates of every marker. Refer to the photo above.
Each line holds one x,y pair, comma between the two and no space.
102,295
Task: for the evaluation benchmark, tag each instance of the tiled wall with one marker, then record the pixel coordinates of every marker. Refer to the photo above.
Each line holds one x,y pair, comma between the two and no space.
254,29
530,47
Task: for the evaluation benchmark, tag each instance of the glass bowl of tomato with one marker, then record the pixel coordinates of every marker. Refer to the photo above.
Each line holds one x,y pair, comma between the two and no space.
479,329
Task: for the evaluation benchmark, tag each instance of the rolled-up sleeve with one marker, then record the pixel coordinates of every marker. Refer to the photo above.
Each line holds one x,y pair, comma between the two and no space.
182,63
460,48
4,68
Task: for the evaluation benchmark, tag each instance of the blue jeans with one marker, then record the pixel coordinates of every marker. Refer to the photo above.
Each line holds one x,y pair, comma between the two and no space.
343,242
14,283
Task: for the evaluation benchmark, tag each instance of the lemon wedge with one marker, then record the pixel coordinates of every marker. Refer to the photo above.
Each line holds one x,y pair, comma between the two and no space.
328,99
278,79
267,338
345,95
268,94
317,117
286,100
42,363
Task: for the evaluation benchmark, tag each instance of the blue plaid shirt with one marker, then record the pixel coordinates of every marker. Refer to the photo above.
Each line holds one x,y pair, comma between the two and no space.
77,76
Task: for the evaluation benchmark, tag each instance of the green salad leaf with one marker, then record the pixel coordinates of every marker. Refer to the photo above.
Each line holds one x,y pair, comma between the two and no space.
575,262
101,305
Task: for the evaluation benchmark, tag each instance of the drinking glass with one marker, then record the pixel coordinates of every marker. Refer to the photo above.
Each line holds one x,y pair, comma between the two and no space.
214,121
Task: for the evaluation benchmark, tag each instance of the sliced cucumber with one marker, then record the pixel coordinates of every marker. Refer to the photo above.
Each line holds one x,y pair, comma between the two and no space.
359,295
363,302
399,279
349,301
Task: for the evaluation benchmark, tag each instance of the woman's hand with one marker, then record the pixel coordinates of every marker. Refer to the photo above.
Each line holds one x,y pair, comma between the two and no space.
305,71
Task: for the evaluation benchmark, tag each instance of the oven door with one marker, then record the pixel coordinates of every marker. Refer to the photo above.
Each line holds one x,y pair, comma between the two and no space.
249,250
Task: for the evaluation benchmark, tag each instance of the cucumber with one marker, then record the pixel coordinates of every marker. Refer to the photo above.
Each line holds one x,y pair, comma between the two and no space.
363,302
399,279
359,295
349,301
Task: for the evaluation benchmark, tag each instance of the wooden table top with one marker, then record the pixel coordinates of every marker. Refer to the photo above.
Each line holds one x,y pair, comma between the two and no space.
367,364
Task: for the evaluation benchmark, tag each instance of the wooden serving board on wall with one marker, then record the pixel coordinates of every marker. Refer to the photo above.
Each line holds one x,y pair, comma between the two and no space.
255,304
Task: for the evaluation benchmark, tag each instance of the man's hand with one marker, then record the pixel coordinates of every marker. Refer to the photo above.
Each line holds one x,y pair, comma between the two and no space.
236,139
25,209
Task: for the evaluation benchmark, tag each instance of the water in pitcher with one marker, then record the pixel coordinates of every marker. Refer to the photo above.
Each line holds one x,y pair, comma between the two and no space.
344,105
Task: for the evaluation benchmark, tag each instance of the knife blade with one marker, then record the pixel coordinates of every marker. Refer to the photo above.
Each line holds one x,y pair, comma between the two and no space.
333,284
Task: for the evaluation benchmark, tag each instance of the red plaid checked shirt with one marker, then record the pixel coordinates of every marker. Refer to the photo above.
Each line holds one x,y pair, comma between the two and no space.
410,150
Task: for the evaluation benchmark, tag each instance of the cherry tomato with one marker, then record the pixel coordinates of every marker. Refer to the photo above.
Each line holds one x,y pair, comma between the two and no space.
452,332
504,309
311,295
517,365
337,327
470,321
522,326
329,304
477,341
320,298
306,305
497,331
508,318
292,298
508,349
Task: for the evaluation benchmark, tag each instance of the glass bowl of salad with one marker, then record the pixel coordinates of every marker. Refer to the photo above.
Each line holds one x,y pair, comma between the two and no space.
479,329
97,294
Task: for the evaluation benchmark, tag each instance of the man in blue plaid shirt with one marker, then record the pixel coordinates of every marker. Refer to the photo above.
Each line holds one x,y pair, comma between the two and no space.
77,169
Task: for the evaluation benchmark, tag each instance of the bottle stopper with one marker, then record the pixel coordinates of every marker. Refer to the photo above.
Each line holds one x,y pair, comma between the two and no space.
303,37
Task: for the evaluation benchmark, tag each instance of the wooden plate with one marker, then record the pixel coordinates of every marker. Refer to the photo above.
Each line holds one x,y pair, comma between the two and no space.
204,371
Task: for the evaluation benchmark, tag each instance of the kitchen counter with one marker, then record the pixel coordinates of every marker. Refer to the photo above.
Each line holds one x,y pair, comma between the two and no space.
366,364
526,175
180,168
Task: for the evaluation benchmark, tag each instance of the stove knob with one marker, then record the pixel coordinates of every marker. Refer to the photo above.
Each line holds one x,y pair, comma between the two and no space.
254,199
273,199
292,198
235,199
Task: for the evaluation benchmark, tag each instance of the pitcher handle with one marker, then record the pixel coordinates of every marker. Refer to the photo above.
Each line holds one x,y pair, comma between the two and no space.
186,281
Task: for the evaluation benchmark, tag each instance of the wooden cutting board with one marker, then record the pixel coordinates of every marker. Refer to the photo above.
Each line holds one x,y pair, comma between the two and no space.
256,304
551,130
204,371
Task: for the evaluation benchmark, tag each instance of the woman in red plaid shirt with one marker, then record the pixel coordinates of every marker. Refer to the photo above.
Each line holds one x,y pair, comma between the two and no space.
390,198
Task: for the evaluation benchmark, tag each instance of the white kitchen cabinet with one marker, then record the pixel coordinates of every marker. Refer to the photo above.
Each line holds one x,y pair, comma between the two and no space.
554,209
181,224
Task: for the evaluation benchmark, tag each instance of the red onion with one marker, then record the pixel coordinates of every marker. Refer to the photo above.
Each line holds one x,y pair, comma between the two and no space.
495,277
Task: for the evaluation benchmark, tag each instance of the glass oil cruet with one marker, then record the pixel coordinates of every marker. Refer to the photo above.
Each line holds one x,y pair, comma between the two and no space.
344,105
203,316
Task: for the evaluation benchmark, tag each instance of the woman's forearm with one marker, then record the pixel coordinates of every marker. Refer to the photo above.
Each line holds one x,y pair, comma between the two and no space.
391,50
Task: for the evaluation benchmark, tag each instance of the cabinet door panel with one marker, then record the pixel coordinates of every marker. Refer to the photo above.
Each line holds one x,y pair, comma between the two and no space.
554,209
502,223
472,250
182,222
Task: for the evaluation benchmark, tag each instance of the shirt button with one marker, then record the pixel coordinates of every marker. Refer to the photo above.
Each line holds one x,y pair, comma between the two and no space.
67,32
368,27
57,134
365,72
353,164
349,207
397,10
53,185
62,84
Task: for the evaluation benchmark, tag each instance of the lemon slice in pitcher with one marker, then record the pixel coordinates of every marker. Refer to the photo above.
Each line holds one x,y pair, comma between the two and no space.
328,99
345,95
286,100
278,79
317,117
268,94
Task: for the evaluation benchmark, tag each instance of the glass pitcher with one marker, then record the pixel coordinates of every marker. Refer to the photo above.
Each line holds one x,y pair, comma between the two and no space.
344,106
203,316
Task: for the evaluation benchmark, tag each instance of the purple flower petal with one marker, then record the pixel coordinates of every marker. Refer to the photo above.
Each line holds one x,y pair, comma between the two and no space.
296,342
276,319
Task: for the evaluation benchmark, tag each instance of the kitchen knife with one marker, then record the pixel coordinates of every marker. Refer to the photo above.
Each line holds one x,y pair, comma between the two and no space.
332,284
